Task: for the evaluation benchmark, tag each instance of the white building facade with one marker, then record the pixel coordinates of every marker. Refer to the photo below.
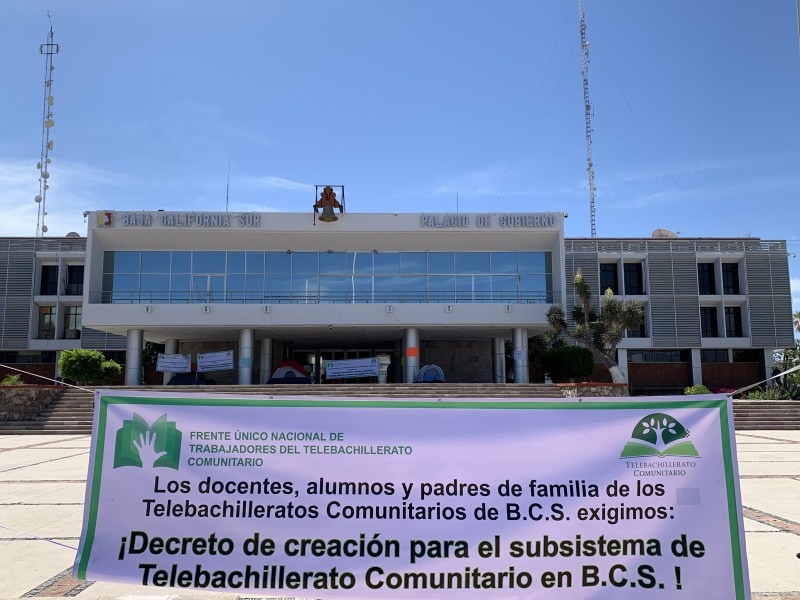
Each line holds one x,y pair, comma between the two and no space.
277,285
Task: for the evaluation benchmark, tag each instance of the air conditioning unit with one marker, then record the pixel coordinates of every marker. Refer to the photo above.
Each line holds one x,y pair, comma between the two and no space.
72,334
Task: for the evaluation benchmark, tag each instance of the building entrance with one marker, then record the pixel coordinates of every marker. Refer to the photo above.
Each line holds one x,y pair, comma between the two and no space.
317,360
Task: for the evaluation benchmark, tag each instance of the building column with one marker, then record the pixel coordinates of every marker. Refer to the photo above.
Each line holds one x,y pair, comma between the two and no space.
265,365
697,367
519,336
133,357
622,363
246,343
411,351
499,355
769,364
170,347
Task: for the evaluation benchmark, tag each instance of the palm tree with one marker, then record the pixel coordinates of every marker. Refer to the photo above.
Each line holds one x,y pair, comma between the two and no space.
600,335
797,321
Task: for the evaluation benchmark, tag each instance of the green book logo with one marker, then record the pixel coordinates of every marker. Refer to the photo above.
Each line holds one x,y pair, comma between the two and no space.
141,445
659,435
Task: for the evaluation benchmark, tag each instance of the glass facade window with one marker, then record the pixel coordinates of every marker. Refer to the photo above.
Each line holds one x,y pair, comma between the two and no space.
715,356
706,282
208,262
441,263
74,280
47,323
313,277
651,356
637,332
72,322
28,357
48,284
708,321
733,321
747,355
634,280
730,278
472,262
608,278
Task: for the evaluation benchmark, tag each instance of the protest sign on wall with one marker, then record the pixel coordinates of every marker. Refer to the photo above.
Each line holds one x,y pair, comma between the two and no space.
174,363
379,498
354,367
214,361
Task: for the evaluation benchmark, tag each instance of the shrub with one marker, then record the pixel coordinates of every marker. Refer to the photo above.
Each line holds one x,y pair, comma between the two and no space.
791,386
87,367
693,390
770,393
15,379
568,362
111,371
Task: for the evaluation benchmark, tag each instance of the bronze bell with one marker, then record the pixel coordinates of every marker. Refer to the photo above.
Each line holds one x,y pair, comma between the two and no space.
328,216
327,202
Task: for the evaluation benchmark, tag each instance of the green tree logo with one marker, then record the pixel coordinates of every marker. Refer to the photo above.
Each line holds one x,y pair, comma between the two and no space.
141,445
661,435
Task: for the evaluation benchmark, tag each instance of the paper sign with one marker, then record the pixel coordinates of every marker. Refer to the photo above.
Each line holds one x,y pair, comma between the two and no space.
174,363
215,361
359,367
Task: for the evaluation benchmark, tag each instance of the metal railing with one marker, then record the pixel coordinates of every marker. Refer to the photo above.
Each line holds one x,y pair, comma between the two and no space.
323,297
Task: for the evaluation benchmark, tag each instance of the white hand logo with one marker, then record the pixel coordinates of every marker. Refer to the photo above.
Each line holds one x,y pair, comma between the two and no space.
147,449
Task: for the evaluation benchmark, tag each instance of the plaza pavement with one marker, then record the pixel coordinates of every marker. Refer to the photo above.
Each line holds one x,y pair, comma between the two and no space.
43,478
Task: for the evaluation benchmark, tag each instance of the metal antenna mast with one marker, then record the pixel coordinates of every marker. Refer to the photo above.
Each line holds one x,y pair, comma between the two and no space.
588,115
49,49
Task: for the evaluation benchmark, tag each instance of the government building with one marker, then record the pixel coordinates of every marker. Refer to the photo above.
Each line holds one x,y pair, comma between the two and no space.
463,291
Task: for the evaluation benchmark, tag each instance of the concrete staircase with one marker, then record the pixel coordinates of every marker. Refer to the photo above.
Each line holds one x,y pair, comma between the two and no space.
72,413
763,414
69,414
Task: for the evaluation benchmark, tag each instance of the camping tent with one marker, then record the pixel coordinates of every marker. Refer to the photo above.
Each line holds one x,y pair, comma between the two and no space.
289,371
430,374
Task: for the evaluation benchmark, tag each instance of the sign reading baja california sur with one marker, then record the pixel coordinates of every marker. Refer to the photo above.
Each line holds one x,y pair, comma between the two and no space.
380,498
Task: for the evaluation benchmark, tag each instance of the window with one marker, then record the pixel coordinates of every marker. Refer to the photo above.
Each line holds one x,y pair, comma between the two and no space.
748,355
330,276
28,357
733,321
715,356
634,282
74,280
708,321
650,356
47,323
48,285
608,278
72,322
706,282
730,278
637,332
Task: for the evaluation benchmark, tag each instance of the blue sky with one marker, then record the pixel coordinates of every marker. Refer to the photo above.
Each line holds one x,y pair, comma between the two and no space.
410,105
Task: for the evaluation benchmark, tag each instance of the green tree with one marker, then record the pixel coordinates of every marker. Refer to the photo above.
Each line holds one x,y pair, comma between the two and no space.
87,367
796,318
601,334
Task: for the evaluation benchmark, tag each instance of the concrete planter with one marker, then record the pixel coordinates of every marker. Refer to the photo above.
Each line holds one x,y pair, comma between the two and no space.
24,402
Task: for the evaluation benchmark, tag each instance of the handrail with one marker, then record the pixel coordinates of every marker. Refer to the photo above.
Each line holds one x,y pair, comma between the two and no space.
323,297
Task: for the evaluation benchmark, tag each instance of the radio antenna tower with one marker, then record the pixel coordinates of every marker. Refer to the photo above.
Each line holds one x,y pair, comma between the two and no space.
588,116
48,49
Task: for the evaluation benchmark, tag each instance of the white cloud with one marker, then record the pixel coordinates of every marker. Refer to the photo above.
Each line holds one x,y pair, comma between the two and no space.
271,181
74,188
493,181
